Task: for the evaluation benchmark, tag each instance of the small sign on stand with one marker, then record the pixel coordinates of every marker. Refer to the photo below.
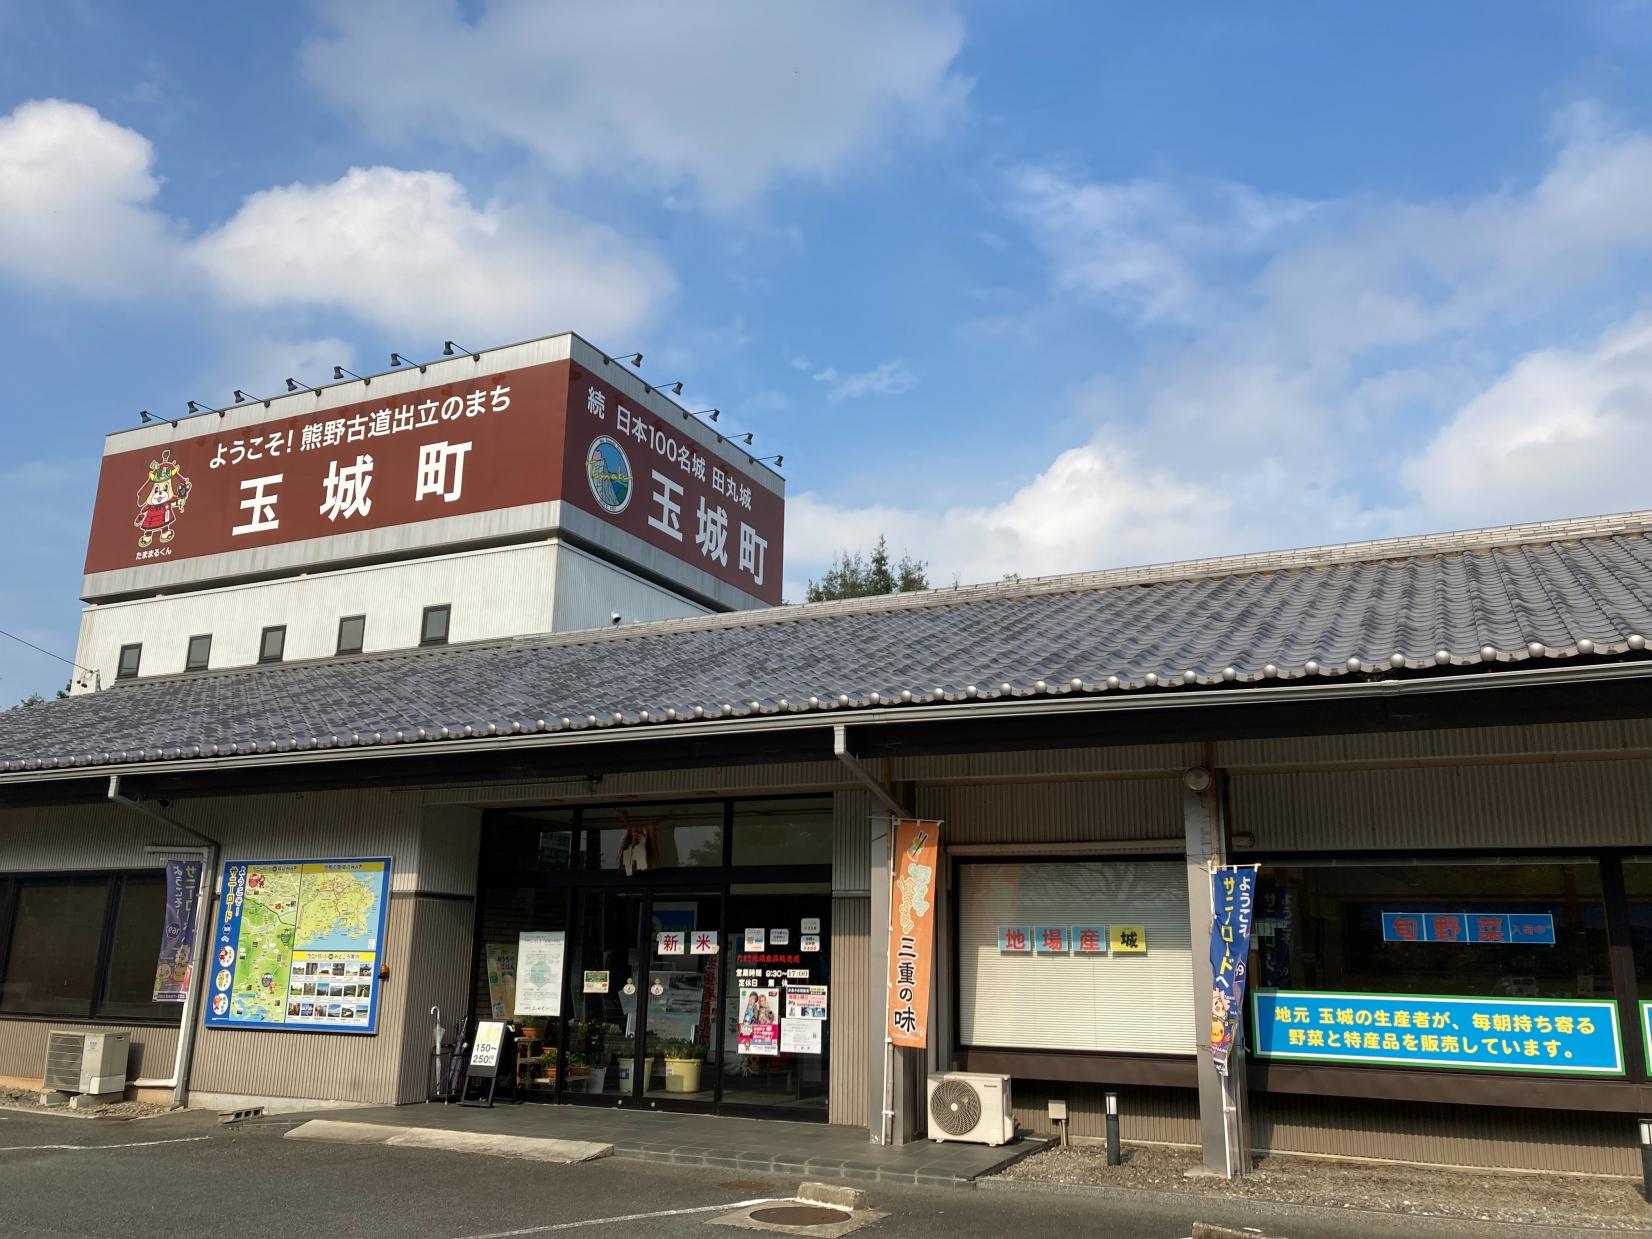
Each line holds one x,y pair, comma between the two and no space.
489,1051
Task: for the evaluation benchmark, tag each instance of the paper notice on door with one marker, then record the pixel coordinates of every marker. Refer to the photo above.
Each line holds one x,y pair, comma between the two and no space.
800,1036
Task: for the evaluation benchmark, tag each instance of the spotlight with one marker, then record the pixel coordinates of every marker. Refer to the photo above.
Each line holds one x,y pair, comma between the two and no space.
145,417
710,415
450,349
676,389
339,372
396,359
634,358
242,396
779,461
195,406
294,385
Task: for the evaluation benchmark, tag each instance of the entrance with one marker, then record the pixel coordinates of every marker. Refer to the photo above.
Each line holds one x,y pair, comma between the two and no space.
696,952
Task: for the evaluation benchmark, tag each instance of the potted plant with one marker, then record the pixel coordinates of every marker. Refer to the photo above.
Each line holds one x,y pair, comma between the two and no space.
579,1066
682,1065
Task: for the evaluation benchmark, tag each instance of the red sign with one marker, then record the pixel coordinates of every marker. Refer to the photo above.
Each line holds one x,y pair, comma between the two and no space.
527,436
912,869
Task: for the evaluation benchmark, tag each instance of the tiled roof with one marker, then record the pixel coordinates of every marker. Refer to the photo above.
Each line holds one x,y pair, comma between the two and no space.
1483,600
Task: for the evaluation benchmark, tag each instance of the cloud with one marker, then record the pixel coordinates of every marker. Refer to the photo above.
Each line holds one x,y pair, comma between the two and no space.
723,97
889,379
410,252
76,201
1563,432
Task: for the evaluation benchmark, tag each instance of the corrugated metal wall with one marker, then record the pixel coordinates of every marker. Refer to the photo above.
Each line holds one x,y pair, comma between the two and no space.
1146,1115
1505,806
1446,1135
851,994
437,974
1070,812
23,1048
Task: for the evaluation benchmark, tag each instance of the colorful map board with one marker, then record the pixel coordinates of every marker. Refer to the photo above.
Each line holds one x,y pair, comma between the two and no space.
297,946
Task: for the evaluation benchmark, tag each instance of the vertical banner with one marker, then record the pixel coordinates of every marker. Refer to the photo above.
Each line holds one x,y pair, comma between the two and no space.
175,965
914,849
1233,902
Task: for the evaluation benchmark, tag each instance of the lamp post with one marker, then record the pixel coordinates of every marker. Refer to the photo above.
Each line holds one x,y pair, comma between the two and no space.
1113,1156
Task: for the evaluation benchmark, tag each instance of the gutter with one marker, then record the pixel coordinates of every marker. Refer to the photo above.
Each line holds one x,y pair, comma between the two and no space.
840,750
179,1080
1046,705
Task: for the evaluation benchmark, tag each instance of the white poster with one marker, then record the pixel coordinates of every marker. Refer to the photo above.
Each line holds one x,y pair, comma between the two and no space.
670,942
539,973
484,1050
800,1036
780,937
754,940
806,1002
811,942
703,942
811,925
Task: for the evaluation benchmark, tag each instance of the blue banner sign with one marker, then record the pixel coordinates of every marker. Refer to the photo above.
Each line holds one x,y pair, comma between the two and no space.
174,967
1232,902
1050,939
1558,1036
1646,1028
1508,928
1014,939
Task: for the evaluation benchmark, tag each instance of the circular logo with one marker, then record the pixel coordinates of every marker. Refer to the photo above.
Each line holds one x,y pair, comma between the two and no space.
220,1004
609,472
226,955
221,981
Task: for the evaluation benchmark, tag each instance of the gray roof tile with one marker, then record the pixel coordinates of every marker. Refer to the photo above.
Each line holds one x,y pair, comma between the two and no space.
1486,598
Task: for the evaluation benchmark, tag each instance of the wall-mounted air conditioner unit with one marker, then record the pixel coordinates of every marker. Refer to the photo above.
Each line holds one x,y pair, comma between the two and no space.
966,1106
86,1062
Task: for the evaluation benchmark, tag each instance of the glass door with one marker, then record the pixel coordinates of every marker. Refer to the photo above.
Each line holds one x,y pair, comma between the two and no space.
605,978
681,1017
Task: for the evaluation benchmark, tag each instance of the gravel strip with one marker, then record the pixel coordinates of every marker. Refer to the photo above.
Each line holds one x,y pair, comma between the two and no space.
22,1099
1530,1199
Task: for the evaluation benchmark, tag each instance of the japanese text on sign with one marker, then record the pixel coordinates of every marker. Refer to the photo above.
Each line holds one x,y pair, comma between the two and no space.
916,846
1513,928
1561,1036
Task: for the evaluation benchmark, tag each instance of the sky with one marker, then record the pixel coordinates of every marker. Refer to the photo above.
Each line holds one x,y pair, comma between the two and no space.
1029,288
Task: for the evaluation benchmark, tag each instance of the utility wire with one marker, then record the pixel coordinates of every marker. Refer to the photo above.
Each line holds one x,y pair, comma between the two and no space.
46,652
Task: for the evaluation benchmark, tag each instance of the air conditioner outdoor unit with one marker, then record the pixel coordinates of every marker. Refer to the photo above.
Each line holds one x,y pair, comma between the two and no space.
970,1107
84,1062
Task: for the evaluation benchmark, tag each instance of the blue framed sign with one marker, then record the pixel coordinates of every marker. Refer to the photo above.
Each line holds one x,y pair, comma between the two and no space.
297,946
1506,928
1546,1036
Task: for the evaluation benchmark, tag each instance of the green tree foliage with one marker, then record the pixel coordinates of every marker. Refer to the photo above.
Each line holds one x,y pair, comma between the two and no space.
858,576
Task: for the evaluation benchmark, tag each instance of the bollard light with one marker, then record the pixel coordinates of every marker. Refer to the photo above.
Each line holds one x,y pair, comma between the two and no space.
1113,1157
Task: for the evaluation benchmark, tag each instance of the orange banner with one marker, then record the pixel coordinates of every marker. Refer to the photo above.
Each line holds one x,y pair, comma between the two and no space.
911,929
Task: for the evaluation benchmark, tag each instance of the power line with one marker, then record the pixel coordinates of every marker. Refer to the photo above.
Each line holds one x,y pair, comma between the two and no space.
46,652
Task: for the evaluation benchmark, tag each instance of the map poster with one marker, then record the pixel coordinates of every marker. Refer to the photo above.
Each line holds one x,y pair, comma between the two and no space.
539,973
297,946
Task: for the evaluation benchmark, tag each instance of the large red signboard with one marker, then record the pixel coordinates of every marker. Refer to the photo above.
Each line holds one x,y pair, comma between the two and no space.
533,435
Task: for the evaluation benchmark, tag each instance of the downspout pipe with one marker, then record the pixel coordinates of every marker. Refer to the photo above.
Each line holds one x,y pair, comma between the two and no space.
203,940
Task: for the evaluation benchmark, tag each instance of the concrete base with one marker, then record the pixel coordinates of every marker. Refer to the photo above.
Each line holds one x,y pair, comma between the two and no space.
532,1148
54,1097
93,1101
223,1102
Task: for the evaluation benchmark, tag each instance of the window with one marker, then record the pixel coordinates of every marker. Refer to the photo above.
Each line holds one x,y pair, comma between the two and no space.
433,628
1115,976
272,644
352,631
130,656
1353,927
644,837
783,832
200,651
83,946
1637,883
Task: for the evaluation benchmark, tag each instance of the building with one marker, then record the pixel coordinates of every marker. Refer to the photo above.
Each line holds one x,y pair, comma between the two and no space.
451,501
1437,750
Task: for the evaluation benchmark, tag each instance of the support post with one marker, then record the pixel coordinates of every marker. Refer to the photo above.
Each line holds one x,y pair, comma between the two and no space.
1221,1098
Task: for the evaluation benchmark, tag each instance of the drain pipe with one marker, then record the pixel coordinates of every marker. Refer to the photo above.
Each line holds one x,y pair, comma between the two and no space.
179,1082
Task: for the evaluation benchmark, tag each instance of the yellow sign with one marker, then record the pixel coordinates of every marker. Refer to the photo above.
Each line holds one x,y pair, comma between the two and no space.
1129,940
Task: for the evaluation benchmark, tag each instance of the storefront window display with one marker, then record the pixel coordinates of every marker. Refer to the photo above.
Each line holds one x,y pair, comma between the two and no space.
1075,955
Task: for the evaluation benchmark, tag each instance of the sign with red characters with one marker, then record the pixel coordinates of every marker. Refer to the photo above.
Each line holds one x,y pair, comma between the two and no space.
487,442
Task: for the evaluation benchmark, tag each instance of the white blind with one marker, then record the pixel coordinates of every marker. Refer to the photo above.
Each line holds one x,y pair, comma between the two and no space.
1121,1003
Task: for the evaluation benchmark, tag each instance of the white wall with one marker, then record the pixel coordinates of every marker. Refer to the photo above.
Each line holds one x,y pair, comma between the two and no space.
495,592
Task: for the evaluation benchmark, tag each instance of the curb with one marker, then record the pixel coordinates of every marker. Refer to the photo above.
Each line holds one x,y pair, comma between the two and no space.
529,1148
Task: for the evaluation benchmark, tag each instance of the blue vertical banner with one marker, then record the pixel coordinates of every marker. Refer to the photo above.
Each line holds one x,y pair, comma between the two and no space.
175,965
1233,905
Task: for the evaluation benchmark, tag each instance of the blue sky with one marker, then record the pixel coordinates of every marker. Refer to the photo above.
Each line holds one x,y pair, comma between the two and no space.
1031,288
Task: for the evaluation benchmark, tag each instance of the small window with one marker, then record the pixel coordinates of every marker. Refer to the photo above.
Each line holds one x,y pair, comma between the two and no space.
130,656
352,631
433,630
200,651
272,644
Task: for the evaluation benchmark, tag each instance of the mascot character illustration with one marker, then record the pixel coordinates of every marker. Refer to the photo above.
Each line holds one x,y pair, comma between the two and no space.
161,500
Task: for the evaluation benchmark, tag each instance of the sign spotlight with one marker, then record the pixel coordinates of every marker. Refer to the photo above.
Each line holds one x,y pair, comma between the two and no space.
676,389
145,417
396,359
241,396
450,349
634,358
339,372
294,385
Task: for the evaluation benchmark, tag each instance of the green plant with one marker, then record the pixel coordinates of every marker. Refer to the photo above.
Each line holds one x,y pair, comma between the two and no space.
691,1051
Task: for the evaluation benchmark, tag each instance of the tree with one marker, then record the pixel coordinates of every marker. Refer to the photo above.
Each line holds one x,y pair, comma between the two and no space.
854,576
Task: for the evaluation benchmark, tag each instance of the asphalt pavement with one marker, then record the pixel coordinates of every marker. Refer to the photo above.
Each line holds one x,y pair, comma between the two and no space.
186,1176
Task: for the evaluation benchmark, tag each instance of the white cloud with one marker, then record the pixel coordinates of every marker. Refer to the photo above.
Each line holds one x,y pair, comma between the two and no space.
724,96
410,252
889,379
76,195
1563,433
